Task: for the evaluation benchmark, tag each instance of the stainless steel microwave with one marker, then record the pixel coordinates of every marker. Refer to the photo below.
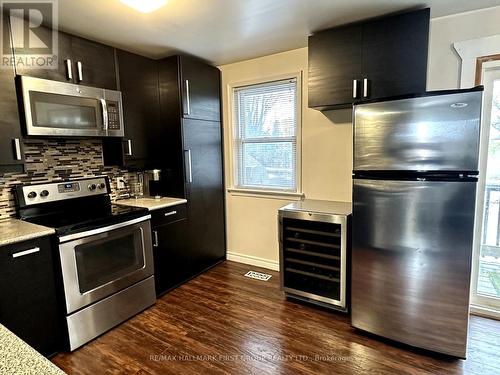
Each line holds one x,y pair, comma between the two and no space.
60,109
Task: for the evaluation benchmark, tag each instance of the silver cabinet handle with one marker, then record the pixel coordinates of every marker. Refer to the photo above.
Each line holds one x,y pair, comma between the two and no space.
69,69
129,147
354,88
188,166
79,70
170,213
188,103
26,252
17,149
365,88
155,235
104,107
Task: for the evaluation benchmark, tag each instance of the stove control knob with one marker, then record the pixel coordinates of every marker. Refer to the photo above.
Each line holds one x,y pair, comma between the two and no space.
101,186
32,195
92,187
44,193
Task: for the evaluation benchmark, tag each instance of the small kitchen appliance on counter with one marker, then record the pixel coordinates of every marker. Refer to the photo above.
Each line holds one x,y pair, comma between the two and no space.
314,252
151,183
104,252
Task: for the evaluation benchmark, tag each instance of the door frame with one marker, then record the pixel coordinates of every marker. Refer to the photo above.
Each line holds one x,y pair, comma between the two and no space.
482,305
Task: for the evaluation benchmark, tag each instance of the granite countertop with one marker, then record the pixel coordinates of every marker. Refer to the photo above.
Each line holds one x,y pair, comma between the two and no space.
18,358
14,230
151,203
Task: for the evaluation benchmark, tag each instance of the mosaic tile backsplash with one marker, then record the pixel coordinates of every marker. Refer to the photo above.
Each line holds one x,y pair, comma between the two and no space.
56,160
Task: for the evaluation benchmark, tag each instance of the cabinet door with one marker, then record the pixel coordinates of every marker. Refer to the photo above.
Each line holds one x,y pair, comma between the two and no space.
200,90
28,304
141,113
98,63
395,54
334,65
205,192
171,258
23,67
10,142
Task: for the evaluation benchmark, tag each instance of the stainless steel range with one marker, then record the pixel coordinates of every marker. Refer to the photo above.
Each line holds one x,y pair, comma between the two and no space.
104,251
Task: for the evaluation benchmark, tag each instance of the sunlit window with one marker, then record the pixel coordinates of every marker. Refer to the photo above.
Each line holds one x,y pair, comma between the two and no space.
489,261
265,142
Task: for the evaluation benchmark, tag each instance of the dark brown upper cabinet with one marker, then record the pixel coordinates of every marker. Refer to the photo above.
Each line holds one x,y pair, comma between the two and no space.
369,60
395,55
200,88
11,156
334,65
79,61
138,77
93,63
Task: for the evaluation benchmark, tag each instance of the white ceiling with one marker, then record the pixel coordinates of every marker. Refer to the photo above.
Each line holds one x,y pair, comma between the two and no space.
224,31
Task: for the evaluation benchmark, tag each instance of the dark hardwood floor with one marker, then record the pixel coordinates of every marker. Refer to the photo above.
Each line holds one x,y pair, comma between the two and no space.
224,323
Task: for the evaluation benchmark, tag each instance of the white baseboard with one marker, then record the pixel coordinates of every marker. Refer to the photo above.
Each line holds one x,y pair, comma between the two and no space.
253,261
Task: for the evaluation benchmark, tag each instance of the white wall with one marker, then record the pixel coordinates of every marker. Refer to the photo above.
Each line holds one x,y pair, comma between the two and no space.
444,64
326,138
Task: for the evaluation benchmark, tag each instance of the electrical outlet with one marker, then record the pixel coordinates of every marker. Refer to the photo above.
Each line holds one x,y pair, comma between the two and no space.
120,183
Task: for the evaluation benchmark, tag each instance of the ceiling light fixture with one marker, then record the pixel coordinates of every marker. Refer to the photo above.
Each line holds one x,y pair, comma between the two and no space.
145,6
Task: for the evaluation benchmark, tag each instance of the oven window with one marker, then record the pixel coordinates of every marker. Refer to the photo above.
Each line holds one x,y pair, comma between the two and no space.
63,111
108,259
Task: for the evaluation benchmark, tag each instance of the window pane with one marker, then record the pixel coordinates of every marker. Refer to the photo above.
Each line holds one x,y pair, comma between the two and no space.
265,117
267,110
268,164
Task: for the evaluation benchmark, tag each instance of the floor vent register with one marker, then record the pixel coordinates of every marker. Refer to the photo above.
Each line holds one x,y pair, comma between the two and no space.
258,275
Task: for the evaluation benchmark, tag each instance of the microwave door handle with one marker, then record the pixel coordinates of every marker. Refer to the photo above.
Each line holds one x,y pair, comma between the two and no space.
104,108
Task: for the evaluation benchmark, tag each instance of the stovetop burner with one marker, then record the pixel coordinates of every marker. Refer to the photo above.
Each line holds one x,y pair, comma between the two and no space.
72,222
81,207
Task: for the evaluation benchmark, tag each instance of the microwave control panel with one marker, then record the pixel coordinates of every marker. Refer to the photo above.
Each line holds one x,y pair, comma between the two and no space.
113,115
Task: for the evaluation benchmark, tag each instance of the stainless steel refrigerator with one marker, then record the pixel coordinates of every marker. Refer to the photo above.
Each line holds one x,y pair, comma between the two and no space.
414,192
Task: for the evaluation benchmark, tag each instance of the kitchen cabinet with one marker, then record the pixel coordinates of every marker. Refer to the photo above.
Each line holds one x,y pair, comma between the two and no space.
11,155
93,63
334,66
395,55
369,60
193,165
138,77
28,301
79,60
200,89
204,191
171,255
63,53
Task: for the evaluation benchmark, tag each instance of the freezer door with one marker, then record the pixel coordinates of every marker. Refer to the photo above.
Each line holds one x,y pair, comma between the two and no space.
411,261
432,133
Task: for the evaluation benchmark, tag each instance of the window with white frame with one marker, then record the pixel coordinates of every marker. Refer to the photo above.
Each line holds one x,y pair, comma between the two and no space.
266,130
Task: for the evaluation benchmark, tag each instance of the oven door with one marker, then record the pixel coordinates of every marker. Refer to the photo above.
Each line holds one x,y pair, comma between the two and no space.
103,261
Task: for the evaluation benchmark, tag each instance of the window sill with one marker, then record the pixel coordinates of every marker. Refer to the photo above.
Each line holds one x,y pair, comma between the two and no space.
268,194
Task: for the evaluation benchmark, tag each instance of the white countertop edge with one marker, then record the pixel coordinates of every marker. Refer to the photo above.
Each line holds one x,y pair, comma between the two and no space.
14,231
26,237
170,204
150,205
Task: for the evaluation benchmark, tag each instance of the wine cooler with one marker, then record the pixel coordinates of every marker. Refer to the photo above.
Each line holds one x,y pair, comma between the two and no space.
314,257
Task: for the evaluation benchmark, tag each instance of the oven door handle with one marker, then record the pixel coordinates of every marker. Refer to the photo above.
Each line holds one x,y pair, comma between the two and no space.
76,236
